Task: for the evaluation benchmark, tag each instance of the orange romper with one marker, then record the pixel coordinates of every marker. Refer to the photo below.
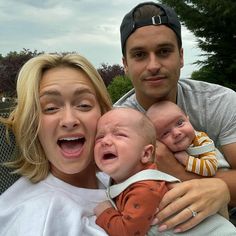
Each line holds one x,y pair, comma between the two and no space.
136,207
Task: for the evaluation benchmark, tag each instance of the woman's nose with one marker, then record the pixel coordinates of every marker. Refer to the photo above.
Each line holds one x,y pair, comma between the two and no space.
69,119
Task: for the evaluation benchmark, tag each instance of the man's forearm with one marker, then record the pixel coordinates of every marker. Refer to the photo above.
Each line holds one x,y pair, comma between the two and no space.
229,176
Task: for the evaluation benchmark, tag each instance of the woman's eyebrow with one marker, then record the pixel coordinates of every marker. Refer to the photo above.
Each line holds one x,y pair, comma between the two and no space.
50,93
80,91
77,92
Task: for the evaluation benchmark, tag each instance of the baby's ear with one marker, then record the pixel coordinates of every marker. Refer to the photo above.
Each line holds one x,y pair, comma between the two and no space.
147,154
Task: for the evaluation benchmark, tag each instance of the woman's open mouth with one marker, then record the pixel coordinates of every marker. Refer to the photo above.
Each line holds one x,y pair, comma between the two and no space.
71,147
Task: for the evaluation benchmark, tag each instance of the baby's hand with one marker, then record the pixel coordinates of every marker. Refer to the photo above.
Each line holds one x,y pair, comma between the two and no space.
102,206
182,157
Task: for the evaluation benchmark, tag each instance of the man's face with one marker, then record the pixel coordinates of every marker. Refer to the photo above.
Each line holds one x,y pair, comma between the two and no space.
153,62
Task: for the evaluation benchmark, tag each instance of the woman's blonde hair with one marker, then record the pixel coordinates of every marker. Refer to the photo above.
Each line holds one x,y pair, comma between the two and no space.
25,118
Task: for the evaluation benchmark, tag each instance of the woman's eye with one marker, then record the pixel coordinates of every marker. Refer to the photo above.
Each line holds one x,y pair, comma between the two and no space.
50,109
84,103
84,106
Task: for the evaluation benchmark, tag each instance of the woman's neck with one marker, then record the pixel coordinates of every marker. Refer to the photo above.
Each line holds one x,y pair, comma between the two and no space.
84,179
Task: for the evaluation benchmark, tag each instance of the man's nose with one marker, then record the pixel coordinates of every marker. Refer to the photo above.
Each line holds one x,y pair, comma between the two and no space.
153,63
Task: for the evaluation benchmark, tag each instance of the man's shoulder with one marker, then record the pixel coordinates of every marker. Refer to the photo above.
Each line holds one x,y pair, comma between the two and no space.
127,100
194,95
197,86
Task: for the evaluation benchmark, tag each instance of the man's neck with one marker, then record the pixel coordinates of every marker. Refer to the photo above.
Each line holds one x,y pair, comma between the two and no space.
146,103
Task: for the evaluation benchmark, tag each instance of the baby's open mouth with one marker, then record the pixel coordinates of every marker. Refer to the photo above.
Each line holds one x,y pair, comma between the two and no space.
109,156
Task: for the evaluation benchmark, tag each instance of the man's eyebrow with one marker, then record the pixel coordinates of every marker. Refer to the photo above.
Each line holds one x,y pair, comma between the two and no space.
165,45
162,45
136,48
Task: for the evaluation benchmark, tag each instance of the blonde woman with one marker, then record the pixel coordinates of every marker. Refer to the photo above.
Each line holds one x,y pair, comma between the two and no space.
60,98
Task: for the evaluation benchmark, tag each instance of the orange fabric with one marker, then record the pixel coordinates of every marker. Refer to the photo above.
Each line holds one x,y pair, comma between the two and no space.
206,163
136,207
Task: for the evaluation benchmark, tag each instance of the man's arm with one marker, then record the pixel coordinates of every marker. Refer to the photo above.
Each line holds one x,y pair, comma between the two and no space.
167,163
229,176
195,192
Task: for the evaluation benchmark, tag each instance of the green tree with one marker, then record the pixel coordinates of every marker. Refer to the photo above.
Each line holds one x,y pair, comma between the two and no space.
118,87
9,68
13,61
109,72
213,23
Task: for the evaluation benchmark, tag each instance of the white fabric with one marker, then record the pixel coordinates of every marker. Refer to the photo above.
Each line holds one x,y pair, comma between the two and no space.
197,150
55,208
215,225
210,107
114,190
49,208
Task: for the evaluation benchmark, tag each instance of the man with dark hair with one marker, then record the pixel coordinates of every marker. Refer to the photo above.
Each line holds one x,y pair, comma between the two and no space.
153,57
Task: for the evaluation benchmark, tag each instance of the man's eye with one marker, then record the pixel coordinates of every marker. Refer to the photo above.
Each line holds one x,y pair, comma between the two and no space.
164,52
138,55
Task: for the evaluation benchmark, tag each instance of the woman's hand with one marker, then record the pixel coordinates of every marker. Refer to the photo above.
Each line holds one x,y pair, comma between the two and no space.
202,196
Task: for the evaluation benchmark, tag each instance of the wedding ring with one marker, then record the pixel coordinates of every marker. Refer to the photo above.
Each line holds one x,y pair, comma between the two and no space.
194,213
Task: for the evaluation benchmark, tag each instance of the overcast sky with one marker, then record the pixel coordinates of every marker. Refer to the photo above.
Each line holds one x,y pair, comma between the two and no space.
90,27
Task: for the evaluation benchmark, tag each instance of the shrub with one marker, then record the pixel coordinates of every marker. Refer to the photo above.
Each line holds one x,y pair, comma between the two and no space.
118,87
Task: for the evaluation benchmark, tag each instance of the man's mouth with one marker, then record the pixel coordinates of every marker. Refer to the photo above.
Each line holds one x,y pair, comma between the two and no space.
154,78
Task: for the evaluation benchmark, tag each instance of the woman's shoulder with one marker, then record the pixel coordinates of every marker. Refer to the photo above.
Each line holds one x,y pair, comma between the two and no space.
23,191
51,189
42,207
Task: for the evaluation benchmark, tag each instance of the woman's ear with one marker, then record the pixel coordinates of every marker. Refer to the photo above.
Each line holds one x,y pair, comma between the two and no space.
147,155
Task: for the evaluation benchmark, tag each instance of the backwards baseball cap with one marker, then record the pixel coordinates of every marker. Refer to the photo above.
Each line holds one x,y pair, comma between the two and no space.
168,18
